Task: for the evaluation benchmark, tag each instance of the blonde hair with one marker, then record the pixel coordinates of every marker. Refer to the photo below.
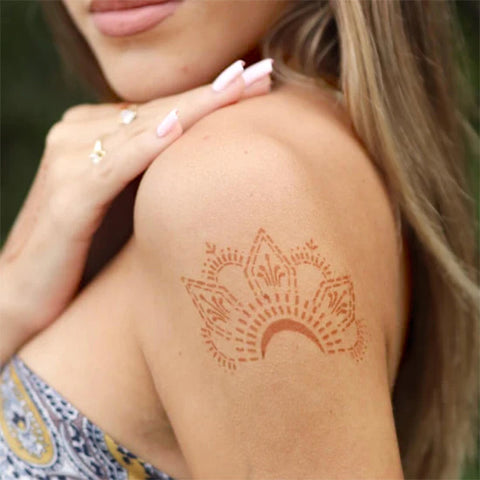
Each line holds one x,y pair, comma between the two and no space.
394,62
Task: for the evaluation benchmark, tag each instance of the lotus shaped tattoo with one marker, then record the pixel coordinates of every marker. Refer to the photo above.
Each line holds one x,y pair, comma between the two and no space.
278,295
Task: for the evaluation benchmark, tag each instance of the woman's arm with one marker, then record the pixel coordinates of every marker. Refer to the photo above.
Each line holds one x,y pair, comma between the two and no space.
267,350
43,259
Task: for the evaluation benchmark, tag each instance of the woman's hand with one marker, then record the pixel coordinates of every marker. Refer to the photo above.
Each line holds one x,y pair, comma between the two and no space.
44,256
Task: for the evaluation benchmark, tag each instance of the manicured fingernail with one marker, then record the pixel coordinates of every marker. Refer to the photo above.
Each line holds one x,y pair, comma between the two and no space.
257,71
259,87
228,75
167,123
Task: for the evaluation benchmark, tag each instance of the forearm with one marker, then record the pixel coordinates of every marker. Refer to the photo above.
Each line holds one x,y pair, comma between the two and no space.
36,288
14,327
13,336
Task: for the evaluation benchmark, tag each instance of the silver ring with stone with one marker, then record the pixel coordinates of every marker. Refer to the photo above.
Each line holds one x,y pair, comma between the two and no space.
98,152
128,115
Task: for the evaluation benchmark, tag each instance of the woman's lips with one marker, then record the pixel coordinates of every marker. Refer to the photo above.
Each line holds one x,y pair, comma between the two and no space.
119,18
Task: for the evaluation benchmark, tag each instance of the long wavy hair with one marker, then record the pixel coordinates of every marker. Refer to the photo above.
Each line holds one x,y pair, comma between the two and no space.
397,66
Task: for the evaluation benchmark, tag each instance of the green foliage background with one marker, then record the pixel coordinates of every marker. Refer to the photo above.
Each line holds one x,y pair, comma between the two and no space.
35,93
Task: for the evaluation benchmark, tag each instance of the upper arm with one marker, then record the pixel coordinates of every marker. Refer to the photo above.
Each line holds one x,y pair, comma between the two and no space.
264,343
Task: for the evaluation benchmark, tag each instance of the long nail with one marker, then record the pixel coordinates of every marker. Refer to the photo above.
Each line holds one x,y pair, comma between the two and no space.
259,87
228,75
257,71
167,123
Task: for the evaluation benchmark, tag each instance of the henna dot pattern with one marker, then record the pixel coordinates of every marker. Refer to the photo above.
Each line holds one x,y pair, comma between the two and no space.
239,330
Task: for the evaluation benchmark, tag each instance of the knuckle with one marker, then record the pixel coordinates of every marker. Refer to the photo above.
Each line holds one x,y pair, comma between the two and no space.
77,112
54,134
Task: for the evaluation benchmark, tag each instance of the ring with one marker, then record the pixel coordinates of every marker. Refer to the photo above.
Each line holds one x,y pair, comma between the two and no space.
128,115
98,152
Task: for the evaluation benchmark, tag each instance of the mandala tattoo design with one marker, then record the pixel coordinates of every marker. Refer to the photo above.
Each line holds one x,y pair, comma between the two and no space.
237,327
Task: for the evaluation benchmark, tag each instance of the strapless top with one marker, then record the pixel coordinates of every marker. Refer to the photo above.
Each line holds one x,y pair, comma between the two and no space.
44,437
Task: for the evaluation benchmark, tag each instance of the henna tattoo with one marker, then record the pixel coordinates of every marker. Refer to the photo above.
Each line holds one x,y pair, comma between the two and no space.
237,331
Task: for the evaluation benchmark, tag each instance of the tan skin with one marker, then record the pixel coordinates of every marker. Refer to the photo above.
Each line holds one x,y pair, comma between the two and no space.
132,338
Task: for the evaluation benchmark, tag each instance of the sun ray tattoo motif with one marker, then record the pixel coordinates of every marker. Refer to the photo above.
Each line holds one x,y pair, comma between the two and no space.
236,331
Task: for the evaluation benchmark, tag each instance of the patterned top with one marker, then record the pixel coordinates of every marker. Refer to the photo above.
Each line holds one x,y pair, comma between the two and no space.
44,437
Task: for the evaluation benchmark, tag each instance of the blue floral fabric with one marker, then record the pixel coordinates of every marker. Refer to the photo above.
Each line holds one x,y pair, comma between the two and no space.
44,437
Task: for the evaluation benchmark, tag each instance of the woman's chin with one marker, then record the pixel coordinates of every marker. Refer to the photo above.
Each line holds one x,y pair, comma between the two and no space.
140,85
140,92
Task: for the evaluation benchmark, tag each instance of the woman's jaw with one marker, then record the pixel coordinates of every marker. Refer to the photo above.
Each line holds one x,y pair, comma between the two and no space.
153,48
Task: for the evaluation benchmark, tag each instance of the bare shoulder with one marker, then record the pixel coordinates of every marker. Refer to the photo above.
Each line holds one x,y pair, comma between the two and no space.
267,242
287,166
264,144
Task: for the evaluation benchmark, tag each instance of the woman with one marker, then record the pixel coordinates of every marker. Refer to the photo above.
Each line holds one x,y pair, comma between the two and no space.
297,297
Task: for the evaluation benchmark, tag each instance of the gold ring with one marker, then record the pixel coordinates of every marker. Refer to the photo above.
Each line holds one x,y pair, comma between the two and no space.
98,152
128,115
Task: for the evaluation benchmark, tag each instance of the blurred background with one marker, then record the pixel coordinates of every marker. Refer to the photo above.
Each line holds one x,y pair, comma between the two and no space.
35,91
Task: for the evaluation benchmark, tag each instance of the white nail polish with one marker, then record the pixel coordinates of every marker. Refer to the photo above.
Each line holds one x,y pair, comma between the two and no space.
228,75
167,123
257,71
